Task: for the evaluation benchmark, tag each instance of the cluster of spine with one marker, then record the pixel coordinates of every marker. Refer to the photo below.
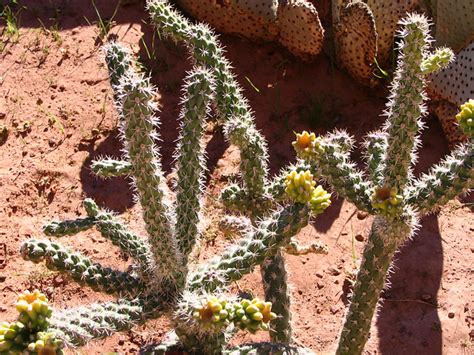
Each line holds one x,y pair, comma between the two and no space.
30,332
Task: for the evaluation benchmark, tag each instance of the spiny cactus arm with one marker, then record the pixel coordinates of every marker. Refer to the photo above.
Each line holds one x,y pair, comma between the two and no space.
119,61
76,327
236,199
266,348
79,267
436,61
108,168
456,82
168,20
114,230
241,131
446,180
275,286
405,106
139,122
269,235
68,227
233,108
376,146
336,168
190,161
384,240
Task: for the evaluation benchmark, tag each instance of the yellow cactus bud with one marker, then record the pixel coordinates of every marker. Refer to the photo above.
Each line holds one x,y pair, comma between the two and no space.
466,117
307,145
258,316
387,201
300,186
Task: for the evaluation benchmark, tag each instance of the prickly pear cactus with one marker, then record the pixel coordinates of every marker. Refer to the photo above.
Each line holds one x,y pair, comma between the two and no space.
293,23
356,42
387,14
252,19
446,113
456,82
453,23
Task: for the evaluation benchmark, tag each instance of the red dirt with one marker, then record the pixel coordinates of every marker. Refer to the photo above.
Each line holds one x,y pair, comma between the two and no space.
59,85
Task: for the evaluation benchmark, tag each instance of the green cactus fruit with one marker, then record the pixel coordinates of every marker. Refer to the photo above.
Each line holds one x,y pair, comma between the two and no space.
300,28
356,42
387,14
453,21
387,201
465,118
456,82
46,344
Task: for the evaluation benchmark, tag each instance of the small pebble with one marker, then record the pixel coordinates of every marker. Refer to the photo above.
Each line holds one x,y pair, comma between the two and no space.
121,341
2,278
318,274
451,315
3,309
362,215
426,297
359,237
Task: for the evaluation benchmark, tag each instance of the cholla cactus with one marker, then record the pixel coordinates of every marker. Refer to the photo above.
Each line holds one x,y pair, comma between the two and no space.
391,192
162,281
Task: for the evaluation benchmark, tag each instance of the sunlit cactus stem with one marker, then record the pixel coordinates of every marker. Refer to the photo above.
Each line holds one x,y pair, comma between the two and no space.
190,158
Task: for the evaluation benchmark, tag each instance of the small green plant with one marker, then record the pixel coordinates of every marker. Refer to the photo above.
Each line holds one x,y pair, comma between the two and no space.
104,24
12,20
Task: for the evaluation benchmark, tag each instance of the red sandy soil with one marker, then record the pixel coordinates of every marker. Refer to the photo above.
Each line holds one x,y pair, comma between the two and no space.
57,82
